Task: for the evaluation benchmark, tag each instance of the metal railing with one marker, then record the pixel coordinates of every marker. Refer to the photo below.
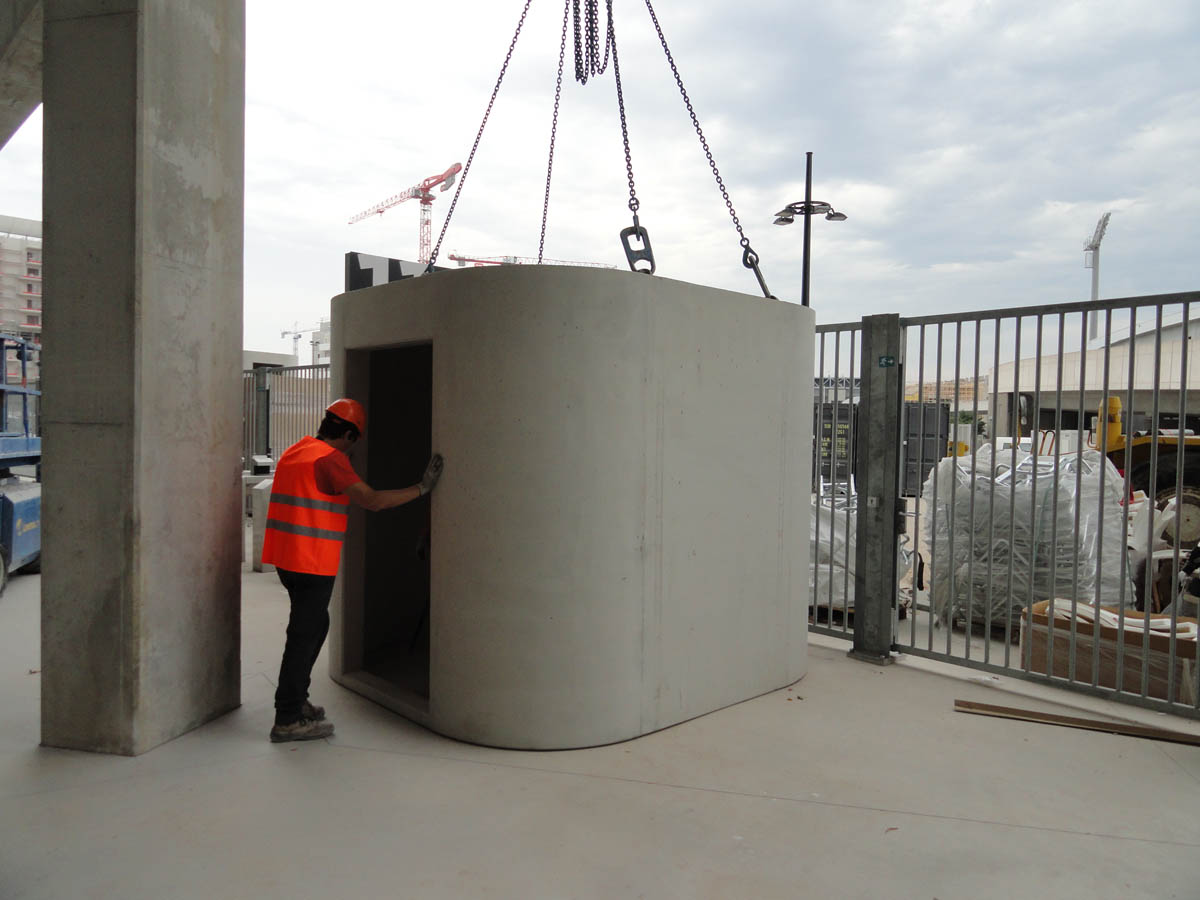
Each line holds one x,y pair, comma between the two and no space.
254,419
1050,537
280,405
832,528
298,397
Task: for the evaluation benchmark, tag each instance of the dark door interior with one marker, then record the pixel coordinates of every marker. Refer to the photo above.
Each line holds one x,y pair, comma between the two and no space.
397,541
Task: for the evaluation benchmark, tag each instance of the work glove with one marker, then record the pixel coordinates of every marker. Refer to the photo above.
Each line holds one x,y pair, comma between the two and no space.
433,472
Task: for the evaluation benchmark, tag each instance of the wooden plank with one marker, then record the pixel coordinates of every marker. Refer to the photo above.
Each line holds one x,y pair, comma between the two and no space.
1029,715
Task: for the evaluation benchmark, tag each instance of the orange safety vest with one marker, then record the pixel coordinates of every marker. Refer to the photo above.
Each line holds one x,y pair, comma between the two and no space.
305,526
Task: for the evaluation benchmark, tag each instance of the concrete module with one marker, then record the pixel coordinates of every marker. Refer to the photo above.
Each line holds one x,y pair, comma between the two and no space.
620,540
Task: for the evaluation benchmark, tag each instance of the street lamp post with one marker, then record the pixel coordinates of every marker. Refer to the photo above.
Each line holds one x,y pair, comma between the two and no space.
808,209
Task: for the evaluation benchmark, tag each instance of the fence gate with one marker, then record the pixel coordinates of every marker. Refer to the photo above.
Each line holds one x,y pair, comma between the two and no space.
1026,494
280,405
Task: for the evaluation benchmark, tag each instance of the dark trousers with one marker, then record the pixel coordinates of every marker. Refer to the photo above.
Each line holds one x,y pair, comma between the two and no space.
307,626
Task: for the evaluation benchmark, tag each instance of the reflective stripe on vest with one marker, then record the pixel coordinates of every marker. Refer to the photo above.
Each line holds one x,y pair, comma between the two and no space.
308,503
305,526
304,530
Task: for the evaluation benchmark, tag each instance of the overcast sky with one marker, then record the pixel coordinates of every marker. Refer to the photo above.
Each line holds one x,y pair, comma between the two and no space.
973,145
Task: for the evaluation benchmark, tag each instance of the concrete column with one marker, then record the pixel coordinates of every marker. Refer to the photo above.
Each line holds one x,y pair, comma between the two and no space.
1001,422
143,168
877,477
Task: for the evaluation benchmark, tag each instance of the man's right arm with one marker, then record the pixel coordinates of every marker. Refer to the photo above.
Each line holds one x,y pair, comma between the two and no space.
367,497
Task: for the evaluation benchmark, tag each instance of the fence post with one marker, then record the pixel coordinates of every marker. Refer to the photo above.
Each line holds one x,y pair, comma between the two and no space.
262,412
877,477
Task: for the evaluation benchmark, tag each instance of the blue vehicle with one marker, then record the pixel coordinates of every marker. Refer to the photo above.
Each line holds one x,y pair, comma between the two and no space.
20,461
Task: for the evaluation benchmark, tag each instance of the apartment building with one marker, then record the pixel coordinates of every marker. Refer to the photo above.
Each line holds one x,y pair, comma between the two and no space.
21,287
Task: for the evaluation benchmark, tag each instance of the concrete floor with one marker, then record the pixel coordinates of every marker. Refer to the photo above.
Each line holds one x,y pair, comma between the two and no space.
858,782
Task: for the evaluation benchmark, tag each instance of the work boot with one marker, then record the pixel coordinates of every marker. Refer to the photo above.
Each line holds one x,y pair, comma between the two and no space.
309,711
301,730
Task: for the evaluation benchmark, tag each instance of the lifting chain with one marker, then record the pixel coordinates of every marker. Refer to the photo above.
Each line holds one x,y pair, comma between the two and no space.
562,53
467,168
588,62
587,43
749,257
635,232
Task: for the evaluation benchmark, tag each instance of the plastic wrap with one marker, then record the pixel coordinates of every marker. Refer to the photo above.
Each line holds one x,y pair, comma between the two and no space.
1009,537
833,534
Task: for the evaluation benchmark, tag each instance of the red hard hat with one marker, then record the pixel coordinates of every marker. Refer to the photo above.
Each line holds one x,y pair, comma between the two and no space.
350,411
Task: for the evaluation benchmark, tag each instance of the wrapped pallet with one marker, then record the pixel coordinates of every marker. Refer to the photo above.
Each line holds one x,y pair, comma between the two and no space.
833,535
833,532
1003,537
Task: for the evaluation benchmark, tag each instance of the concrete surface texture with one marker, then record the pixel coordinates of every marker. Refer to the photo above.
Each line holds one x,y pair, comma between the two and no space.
620,540
860,782
20,63
143,207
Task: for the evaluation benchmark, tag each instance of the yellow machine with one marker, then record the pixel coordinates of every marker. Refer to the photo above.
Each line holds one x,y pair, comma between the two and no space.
1166,452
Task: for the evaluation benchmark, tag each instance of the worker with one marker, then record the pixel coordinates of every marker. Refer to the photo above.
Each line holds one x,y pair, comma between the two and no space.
314,485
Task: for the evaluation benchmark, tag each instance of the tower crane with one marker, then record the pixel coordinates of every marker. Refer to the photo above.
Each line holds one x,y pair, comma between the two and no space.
424,193
295,334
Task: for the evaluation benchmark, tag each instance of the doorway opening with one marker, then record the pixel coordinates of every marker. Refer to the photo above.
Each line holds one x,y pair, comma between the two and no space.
397,541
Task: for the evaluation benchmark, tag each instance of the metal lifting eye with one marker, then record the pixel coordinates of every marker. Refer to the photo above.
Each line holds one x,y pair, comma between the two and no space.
633,254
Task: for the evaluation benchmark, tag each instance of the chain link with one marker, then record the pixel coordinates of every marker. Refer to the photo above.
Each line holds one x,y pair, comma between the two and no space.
611,40
588,62
634,205
479,136
587,40
592,47
580,75
744,242
562,52
587,53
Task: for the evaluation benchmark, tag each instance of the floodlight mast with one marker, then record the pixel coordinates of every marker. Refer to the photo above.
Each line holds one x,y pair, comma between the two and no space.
1093,247
1091,260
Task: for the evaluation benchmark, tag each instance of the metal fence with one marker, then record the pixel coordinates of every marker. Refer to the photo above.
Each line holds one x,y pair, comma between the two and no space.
280,405
254,418
836,392
1035,476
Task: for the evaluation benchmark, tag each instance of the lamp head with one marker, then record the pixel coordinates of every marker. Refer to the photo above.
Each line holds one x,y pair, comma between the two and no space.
787,215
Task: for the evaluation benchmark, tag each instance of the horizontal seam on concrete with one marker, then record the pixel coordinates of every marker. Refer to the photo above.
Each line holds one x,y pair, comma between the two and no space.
96,15
806,800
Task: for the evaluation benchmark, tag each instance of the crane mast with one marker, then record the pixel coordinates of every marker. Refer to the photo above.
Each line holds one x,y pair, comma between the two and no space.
295,333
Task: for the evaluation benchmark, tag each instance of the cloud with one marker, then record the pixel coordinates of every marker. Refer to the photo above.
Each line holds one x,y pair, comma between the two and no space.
973,145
